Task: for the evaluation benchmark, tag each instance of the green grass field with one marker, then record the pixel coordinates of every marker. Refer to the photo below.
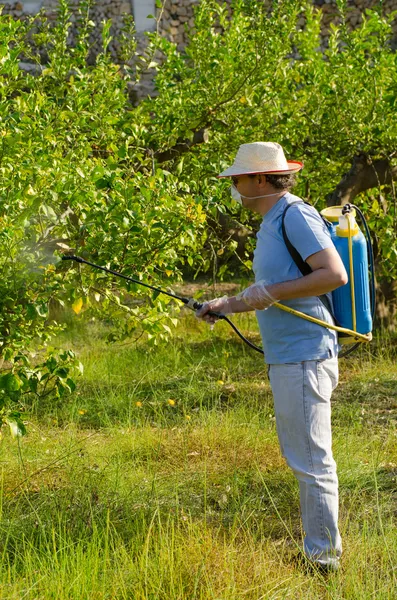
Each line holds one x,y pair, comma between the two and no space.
161,478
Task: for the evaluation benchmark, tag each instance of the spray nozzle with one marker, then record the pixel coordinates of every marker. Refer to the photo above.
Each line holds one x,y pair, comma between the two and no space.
70,257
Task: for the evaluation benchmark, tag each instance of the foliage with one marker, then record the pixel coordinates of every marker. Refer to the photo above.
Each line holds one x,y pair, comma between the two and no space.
262,77
21,381
78,161
76,175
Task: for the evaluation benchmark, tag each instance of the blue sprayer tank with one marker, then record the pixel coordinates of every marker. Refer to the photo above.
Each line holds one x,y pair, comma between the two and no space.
352,307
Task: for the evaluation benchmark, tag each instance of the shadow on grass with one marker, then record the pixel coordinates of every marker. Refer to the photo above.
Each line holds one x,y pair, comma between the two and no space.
366,402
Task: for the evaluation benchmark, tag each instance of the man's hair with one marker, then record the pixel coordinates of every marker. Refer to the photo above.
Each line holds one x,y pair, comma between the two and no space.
280,182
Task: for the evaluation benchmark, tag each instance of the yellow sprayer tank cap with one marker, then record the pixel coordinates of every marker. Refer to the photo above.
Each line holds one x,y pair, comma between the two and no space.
332,213
343,229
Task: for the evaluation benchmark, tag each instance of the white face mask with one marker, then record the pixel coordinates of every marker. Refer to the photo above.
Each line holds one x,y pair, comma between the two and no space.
236,194
238,197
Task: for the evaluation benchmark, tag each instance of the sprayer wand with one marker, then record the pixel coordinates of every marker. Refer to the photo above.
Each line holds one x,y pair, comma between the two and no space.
194,305
189,302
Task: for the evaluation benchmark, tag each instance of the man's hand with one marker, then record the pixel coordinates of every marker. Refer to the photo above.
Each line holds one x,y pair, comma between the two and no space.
219,305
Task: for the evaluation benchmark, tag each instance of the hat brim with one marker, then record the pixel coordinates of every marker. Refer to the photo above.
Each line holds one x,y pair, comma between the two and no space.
293,167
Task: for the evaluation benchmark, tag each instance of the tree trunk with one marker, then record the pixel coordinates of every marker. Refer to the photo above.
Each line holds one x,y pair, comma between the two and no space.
228,228
386,305
364,174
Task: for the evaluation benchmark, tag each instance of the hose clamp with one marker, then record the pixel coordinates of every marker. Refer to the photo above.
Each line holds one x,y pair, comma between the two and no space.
346,209
191,304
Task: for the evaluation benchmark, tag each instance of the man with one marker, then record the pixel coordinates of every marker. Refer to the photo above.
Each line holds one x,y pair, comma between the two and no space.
301,356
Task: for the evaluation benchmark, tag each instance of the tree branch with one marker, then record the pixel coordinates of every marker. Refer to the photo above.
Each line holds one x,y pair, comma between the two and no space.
364,174
182,146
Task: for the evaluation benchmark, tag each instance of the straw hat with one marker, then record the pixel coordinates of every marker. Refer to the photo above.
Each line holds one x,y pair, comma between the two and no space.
261,157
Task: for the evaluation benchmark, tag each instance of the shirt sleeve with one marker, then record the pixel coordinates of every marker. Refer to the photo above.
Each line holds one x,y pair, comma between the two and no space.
306,230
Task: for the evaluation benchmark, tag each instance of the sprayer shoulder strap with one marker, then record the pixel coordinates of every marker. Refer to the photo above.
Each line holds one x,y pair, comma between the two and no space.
302,265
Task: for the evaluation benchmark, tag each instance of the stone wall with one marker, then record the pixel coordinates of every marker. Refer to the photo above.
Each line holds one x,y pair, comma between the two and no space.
101,10
177,15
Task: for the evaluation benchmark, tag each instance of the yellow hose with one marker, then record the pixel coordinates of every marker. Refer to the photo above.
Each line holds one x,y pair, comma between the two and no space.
351,274
358,337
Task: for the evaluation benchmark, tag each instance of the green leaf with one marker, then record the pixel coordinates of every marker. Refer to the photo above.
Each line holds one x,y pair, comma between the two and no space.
31,312
62,372
51,364
8,354
71,383
48,212
42,310
102,183
10,382
33,383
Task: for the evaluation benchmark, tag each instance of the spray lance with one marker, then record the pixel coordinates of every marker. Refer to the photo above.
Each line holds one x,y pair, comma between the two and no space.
354,303
189,302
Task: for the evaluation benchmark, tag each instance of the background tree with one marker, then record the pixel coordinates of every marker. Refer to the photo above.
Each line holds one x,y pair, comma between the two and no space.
334,110
134,188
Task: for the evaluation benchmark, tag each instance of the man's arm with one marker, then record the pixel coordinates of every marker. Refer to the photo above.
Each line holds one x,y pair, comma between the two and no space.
328,274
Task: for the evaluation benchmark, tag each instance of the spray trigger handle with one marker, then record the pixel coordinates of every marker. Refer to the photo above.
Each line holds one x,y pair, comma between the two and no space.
194,305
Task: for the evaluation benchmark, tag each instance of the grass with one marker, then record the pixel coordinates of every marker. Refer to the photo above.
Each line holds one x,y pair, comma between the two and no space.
161,478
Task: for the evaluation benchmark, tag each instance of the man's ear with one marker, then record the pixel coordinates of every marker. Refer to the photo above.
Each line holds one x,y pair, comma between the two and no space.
261,179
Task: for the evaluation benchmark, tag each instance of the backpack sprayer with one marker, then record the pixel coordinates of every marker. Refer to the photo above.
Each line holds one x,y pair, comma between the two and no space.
354,302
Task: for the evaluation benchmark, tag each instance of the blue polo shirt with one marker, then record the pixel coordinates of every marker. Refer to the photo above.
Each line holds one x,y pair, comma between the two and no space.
287,338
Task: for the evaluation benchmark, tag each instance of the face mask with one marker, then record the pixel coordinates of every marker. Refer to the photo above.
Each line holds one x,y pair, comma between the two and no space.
238,197
236,194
